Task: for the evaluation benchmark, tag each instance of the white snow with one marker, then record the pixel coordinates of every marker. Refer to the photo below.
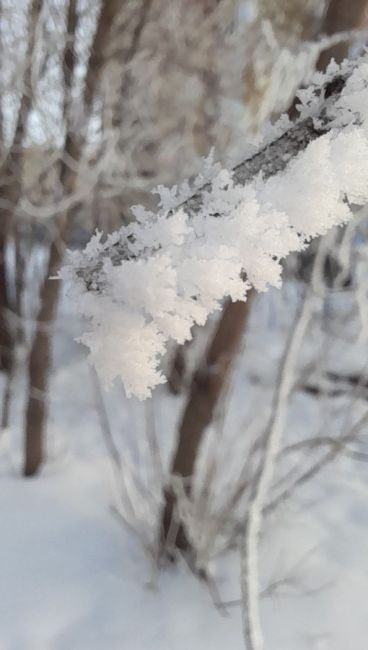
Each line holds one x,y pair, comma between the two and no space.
73,578
182,265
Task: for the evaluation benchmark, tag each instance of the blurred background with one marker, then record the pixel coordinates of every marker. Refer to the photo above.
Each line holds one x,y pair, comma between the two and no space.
101,495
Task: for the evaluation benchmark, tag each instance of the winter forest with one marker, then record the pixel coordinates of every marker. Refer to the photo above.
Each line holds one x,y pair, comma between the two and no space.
183,324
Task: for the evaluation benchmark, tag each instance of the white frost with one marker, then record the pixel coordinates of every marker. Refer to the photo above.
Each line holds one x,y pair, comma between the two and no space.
178,267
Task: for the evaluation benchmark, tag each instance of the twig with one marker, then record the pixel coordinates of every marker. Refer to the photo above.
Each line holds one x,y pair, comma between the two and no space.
272,159
104,421
311,472
249,555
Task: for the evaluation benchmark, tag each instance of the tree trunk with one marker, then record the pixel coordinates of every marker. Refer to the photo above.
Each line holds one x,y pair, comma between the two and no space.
39,365
6,339
342,15
208,382
11,169
176,378
40,356
210,378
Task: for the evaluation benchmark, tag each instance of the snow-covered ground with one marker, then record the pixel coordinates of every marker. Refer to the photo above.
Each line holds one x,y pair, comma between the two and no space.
73,578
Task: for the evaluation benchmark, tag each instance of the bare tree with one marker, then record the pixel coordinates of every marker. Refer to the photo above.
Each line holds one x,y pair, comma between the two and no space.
39,359
206,387
103,51
10,194
342,16
208,383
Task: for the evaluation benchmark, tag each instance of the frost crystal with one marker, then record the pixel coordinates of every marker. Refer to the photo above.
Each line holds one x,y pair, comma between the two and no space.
154,279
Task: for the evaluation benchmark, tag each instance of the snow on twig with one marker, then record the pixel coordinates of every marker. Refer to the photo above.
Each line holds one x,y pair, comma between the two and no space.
152,280
250,563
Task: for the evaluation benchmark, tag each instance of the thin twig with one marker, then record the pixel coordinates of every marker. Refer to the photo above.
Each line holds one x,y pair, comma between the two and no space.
249,556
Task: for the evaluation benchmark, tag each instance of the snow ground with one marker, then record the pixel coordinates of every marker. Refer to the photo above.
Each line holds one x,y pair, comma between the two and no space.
72,578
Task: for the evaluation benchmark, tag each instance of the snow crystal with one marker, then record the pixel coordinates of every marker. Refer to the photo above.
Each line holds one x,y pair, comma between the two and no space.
178,267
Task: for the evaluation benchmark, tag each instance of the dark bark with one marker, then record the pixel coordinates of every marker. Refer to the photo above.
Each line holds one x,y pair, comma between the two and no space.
342,15
40,356
207,385
10,191
39,366
108,16
177,376
6,339
210,378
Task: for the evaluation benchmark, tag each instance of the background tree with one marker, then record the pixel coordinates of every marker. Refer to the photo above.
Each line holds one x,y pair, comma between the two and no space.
293,22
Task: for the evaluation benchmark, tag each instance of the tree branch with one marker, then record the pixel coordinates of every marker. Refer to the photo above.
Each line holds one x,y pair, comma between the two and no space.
275,156
270,160
293,189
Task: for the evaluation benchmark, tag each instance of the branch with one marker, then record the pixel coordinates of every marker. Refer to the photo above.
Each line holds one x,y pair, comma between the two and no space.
250,565
154,279
332,452
272,159
276,155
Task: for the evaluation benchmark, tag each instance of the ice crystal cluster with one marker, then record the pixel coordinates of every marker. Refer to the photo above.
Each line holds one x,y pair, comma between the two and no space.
151,281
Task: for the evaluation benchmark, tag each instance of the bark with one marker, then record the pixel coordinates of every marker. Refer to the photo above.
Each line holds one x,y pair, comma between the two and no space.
108,43
207,385
342,15
10,191
178,369
211,377
39,365
271,160
40,355
108,15
6,339
20,267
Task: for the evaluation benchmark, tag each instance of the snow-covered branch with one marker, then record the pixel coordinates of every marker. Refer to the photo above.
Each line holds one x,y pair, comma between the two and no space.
250,562
152,280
